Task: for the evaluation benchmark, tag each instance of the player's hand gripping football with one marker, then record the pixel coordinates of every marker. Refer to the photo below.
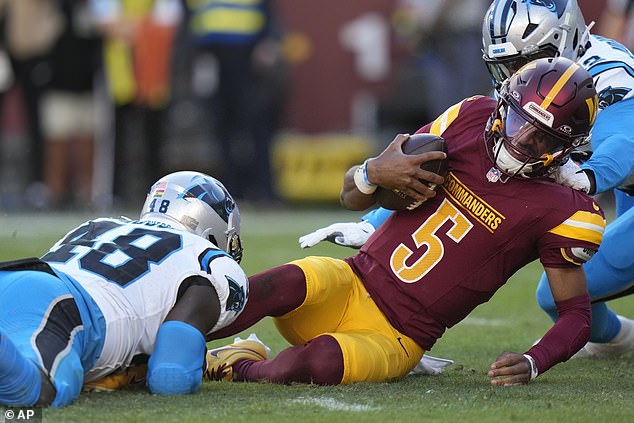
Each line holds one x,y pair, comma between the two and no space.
510,368
392,169
348,234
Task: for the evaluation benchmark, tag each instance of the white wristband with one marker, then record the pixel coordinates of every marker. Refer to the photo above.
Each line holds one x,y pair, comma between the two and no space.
361,179
534,371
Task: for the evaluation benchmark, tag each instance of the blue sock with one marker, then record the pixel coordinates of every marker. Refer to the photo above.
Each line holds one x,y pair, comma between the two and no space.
20,380
605,324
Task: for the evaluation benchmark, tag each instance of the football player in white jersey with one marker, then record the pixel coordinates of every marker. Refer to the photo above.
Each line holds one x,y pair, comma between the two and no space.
515,32
115,289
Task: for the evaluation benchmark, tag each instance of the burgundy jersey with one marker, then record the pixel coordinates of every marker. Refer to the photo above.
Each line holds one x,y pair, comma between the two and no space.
428,268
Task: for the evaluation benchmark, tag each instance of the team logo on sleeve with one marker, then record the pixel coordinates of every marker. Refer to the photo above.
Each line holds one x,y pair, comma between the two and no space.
237,297
609,95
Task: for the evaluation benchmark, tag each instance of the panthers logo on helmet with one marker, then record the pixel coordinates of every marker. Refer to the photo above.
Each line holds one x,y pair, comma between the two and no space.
554,6
214,195
237,297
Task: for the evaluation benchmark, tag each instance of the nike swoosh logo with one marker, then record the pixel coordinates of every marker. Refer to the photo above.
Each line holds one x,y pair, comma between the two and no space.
214,353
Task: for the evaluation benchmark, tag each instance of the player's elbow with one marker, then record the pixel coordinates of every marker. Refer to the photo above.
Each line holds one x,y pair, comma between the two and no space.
173,379
175,365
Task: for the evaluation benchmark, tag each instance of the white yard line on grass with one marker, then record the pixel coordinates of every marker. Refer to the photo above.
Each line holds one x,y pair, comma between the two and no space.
334,405
485,321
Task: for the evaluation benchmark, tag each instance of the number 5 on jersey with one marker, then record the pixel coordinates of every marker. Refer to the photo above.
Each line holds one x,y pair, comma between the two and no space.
425,236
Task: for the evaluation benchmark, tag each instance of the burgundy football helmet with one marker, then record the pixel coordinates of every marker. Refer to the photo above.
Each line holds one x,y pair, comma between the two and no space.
545,109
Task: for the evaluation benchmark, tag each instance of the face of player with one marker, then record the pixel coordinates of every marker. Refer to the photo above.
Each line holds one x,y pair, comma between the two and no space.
526,140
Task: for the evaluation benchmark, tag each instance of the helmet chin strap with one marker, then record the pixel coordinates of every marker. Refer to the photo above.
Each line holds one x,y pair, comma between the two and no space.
509,164
497,125
584,40
547,159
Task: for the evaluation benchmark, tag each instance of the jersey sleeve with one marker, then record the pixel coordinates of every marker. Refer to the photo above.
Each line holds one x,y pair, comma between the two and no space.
376,217
612,143
442,122
574,241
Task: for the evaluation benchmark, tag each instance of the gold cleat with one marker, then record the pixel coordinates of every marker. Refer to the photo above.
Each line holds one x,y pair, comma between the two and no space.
128,377
220,361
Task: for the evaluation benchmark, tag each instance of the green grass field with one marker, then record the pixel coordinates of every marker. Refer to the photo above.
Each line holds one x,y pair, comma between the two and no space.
576,391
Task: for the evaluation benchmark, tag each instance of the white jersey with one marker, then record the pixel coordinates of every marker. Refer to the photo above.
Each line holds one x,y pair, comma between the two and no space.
133,272
612,68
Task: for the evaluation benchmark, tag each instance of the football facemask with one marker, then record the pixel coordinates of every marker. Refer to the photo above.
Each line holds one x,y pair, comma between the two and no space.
522,149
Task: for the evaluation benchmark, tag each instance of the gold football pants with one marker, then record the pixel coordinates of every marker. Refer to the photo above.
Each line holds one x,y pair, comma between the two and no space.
337,304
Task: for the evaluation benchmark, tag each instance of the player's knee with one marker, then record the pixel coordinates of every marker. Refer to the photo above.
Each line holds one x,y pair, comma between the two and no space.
66,393
173,379
68,380
324,360
281,289
20,378
21,388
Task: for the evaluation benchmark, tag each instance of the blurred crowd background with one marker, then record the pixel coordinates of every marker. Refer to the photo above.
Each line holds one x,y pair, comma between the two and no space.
277,98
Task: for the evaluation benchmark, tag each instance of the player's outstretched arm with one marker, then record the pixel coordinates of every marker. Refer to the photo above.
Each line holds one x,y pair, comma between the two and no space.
175,366
570,332
348,234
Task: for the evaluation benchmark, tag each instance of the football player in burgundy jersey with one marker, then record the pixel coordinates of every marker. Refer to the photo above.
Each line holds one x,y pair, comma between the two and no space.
372,316
513,33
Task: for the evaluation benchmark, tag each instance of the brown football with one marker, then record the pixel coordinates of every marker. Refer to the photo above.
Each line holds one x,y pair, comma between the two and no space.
416,144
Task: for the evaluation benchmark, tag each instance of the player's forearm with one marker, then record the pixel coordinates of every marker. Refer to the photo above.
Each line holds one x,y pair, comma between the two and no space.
567,336
351,197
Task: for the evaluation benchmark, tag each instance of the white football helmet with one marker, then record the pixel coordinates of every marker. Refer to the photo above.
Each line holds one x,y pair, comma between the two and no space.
514,32
199,204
